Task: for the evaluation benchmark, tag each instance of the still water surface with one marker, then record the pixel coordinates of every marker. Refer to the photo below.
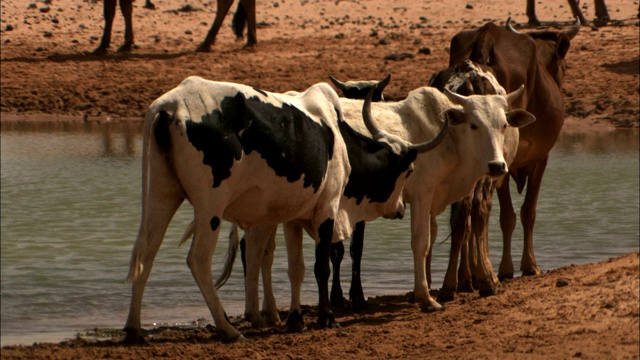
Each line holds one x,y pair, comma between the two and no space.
70,209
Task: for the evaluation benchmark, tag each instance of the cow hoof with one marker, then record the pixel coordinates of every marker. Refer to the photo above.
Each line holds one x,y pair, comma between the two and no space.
430,306
358,304
446,295
126,48
337,301
488,292
533,271
465,287
133,337
295,323
272,318
100,51
505,276
203,48
327,321
232,339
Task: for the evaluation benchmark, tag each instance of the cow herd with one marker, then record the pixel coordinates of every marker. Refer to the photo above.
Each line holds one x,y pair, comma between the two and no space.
326,164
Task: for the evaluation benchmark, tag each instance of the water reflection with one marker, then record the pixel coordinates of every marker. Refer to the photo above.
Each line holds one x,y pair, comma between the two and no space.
70,210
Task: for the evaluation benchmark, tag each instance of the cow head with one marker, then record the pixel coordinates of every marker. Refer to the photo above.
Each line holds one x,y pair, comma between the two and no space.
481,124
378,174
360,89
552,48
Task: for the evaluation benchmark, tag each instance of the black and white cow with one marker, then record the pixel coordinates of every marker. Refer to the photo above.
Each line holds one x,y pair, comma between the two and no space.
474,147
254,158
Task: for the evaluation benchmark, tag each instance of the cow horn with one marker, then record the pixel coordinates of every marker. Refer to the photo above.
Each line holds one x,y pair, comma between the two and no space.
384,82
510,28
366,112
430,145
455,98
514,95
339,84
571,33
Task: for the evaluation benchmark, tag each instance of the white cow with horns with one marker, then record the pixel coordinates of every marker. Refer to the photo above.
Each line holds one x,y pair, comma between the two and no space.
257,158
473,147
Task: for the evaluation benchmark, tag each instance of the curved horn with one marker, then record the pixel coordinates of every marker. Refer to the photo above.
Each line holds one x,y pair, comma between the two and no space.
574,29
366,112
455,98
510,28
339,84
430,145
384,82
514,95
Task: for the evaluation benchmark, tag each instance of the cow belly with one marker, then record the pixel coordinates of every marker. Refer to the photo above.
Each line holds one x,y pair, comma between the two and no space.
257,206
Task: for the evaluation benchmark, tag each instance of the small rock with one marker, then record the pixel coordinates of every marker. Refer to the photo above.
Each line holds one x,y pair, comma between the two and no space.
32,6
562,283
188,32
423,19
339,36
398,57
55,20
45,9
383,42
417,41
425,51
9,27
39,48
48,34
276,4
469,6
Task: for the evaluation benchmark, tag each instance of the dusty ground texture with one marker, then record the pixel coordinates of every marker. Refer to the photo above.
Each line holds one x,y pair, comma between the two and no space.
588,311
46,74
45,69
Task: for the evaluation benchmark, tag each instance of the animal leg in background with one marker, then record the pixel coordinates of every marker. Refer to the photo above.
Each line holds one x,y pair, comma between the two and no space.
126,7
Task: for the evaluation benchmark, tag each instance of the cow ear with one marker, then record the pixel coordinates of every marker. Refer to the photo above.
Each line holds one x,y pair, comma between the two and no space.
454,115
562,46
519,118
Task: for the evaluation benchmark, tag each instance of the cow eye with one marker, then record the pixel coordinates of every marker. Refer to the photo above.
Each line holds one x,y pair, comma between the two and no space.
474,127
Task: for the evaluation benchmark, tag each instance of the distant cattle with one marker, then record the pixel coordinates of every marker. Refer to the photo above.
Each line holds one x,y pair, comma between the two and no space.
257,158
536,59
602,15
245,15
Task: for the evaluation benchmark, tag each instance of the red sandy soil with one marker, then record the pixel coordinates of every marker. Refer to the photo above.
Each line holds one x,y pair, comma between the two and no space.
46,74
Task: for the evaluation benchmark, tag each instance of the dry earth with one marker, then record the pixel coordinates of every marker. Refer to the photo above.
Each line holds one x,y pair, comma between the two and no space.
47,74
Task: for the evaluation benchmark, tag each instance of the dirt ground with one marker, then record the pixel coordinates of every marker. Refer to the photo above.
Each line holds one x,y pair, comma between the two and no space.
48,74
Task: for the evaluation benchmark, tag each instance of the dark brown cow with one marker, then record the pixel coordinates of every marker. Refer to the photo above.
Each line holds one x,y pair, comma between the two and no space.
245,14
537,60
602,15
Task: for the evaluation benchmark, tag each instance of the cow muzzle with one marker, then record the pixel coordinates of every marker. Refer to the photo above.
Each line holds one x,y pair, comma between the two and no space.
497,168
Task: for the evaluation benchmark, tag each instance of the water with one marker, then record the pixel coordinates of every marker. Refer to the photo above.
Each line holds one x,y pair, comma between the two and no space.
70,209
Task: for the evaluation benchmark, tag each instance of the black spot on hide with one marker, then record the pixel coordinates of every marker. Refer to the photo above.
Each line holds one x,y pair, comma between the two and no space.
290,142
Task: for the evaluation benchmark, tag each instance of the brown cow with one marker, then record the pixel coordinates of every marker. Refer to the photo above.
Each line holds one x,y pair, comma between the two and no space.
537,60
602,15
245,14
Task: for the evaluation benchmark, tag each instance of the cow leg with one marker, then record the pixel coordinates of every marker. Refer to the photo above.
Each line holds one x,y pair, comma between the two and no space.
575,9
109,12
485,278
296,269
257,238
250,10
433,236
199,261
269,307
126,7
531,13
507,225
457,221
528,265
420,243
464,271
337,254
221,12
164,197
356,295
149,5
602,15
322,271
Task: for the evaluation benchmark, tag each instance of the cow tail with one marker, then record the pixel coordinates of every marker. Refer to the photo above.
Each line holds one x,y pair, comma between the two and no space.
188,233
232,251
239,21
140,247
